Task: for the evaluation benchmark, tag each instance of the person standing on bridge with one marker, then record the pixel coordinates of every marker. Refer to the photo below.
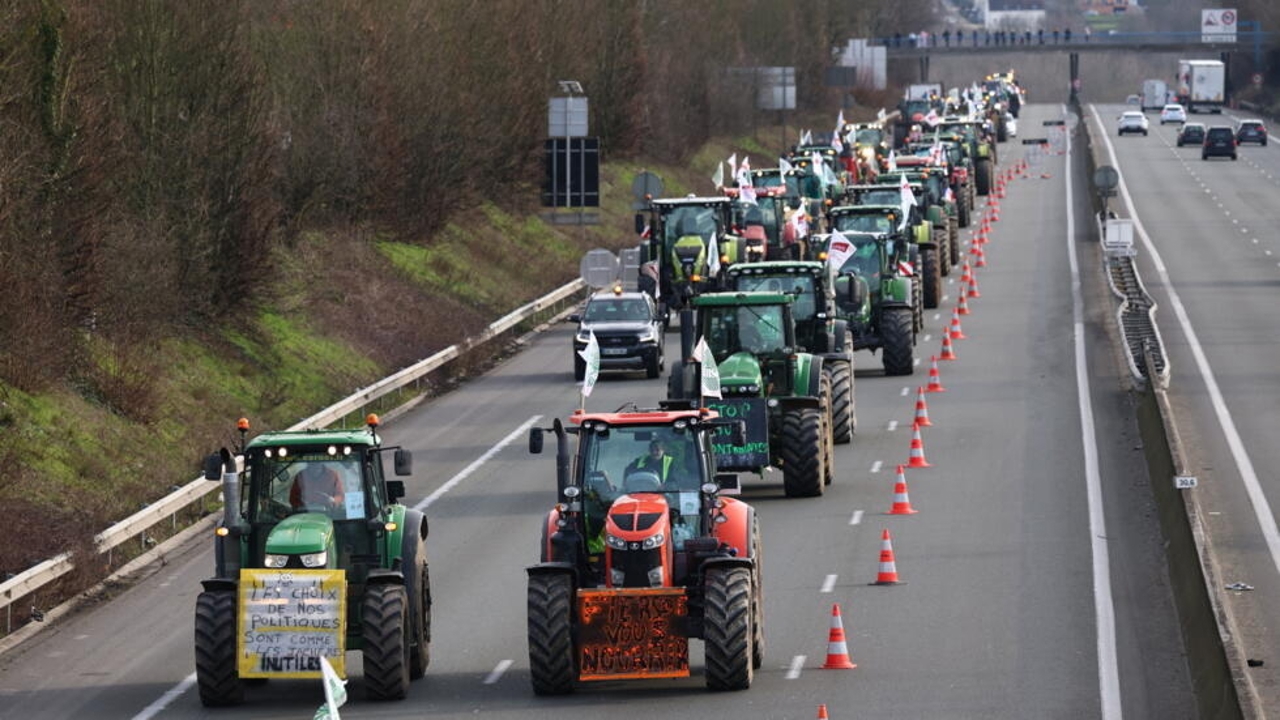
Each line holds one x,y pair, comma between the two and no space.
975,38
946,37
1040,35
1088,33
1066,36
1055,36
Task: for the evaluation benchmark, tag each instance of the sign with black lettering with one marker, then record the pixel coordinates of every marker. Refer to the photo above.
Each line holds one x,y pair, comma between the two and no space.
754,453
632,633
1035,141
289,619
1052,123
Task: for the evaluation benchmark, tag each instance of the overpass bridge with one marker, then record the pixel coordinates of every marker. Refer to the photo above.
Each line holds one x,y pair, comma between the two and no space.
991,43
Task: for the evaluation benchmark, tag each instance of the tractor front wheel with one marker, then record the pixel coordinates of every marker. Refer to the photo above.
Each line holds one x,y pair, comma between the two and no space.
895,334
757,598
727,631
844,417
551,666
385,624
802,450
216,674
420,601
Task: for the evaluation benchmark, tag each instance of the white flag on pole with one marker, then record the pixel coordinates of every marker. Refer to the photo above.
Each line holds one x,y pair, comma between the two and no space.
718,176
591,355
908,201
710,371
839,249
335,692
733,165
713,257
784,166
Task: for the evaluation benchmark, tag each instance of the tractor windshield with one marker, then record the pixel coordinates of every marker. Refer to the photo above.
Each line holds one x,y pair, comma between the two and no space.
886,196
864,222
865,261
642,459
801,286
687,220
307,482
754,329
868,136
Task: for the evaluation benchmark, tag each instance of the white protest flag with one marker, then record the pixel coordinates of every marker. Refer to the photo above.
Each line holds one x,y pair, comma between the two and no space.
710,372
718,176
839,249
747,194
933,118
733,165
806,138
591,355
335,692
892,162
713,257
908,200
881,115
784,166
840,122
835,142
744,172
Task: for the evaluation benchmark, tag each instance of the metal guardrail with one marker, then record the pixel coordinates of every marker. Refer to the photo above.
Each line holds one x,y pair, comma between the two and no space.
1136,313
136,525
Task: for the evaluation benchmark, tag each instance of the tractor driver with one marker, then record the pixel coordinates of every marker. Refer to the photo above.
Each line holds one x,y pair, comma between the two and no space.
656,461
316,486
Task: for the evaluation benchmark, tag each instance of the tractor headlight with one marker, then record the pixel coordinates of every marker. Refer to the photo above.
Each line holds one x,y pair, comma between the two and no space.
655,576
619,577
653,541
275,561
615,542
314,560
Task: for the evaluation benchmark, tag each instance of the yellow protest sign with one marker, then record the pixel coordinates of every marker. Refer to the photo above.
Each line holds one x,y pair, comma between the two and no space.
288,620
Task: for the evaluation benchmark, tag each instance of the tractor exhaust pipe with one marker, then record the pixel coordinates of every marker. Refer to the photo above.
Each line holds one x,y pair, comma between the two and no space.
687,339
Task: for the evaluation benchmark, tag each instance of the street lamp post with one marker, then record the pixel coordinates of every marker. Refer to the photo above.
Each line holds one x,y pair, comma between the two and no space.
570,88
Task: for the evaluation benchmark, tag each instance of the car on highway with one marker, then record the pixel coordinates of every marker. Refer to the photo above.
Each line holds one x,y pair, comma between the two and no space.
1251,131
1173,113
1191,134
1219,141
628,330
1132,121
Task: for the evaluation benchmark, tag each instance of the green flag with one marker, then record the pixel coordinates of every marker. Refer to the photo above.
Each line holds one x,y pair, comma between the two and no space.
710,372
591,355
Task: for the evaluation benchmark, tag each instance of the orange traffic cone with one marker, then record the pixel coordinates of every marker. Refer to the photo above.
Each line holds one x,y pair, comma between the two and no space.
935,383
995,211
947,352
922,410
981,256
917,459
962,307
888,568
837,650
1000,188
822,712
973,287
956,332
901,502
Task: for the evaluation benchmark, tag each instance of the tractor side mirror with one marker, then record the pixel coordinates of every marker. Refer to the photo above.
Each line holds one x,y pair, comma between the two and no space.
404,463
639,223
857,291
213,467
535,440
395,490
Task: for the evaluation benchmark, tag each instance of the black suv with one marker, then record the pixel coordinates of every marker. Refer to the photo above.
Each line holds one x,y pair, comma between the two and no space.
1251,131
628,330
1218,140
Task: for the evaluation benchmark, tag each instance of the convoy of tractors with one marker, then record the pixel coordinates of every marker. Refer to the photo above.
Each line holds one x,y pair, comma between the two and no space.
774,281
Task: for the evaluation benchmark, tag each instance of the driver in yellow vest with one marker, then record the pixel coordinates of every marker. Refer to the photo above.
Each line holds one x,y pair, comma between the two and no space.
656,461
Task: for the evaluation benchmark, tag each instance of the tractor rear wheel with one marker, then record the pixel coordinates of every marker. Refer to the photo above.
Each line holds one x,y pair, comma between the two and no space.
757,598
895,335
216,674
844,418
930,277
419,593
802,451
385,627
962,207
953,246
727,631
827,433
551,666
982,176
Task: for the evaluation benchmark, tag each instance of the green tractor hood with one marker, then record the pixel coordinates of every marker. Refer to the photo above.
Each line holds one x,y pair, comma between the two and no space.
740,369
299,534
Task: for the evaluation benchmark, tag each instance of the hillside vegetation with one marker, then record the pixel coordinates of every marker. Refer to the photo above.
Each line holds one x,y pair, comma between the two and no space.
219,208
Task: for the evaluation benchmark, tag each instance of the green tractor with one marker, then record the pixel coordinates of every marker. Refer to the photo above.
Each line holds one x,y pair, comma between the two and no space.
875,296
949,156
315,555
781,392
932,192
915,256
976,136
819,330
681,233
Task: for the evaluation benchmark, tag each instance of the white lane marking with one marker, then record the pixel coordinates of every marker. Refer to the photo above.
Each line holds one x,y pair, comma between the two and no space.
1244,465
828,584
875,466
475,464
907,390
893,425
163,701
494,676
797,664
1108,664
857,517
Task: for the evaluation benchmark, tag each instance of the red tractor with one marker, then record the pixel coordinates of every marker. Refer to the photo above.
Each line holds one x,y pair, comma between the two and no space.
630,571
